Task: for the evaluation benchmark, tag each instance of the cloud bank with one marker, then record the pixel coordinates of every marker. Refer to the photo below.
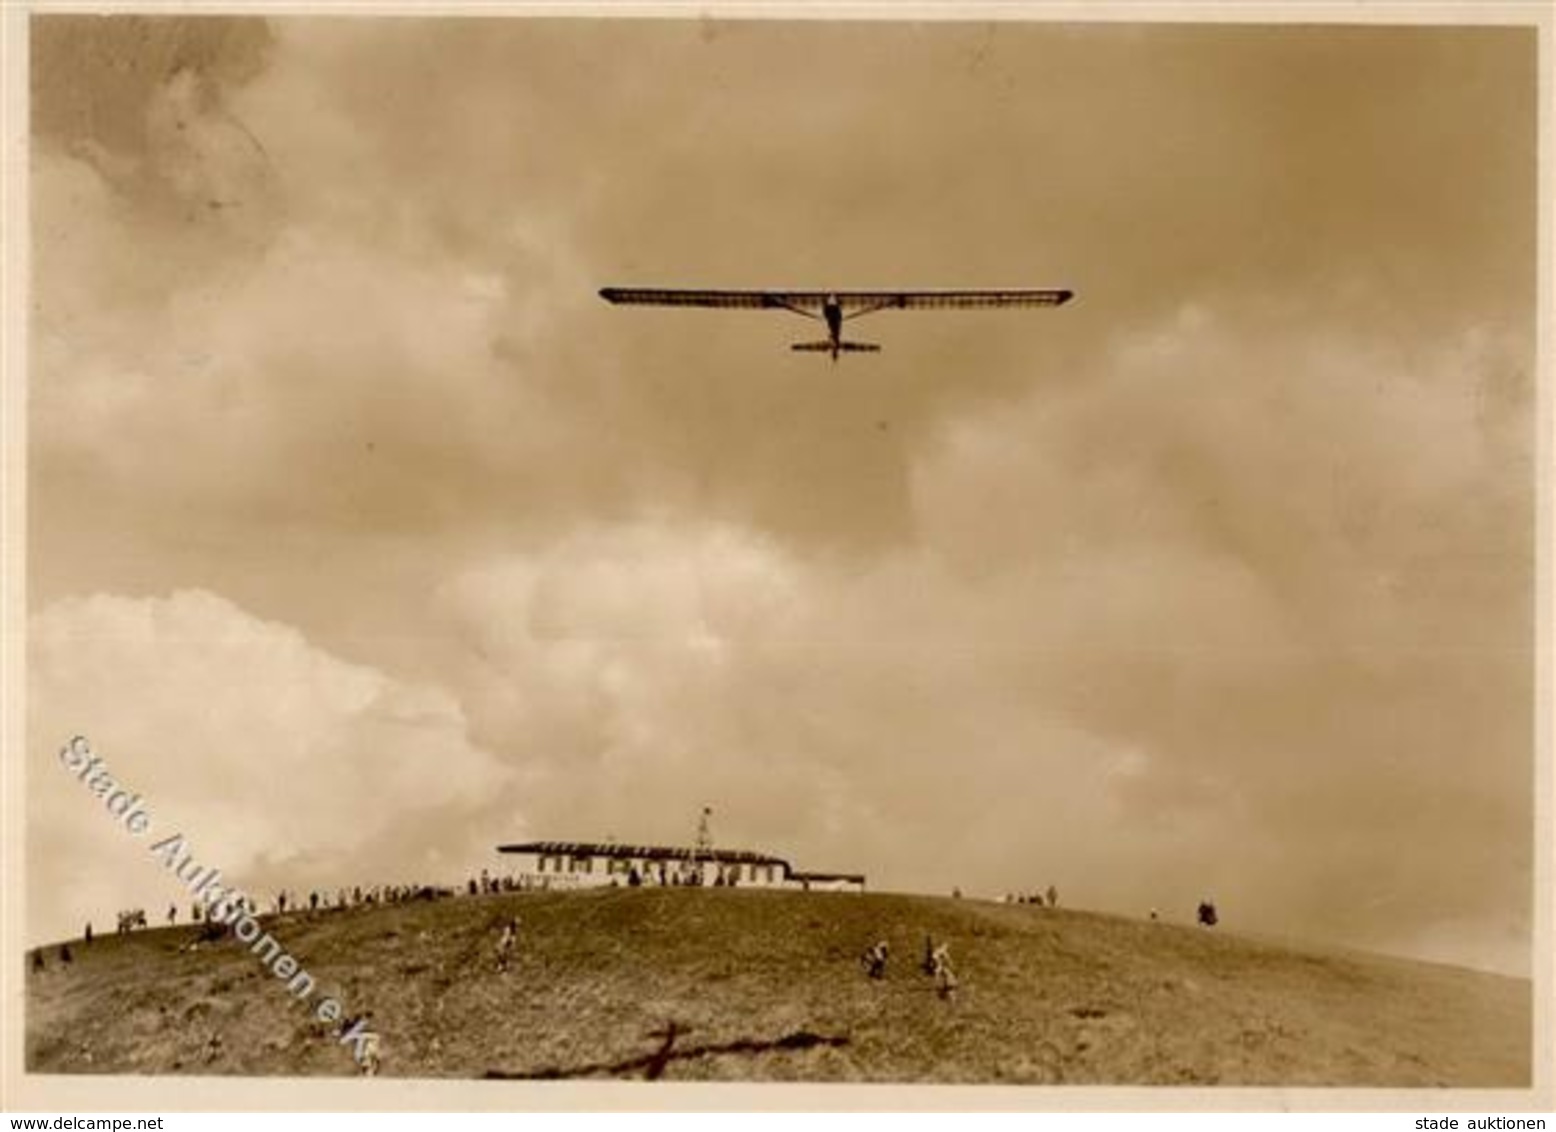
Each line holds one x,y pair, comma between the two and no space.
1217,581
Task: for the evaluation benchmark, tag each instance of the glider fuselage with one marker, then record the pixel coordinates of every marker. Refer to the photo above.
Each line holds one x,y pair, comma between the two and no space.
832,311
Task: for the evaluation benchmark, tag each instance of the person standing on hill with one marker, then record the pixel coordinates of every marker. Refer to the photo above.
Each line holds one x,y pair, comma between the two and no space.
945,977
1053,897
506,943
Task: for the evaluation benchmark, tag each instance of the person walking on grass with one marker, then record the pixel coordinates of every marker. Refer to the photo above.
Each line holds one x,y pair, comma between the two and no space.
874,960
369,1054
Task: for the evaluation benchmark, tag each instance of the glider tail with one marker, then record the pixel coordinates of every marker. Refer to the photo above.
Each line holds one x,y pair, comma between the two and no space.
834,348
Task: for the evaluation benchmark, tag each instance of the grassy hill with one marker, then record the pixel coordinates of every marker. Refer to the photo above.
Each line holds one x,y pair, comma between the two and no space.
768,986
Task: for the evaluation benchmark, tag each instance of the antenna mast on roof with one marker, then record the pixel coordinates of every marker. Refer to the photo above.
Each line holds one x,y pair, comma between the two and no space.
704,849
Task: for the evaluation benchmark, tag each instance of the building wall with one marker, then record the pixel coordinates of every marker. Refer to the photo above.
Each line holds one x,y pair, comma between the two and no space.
569,871
839,885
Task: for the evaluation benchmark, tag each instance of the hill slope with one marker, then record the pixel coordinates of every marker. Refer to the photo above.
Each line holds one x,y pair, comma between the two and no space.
768,986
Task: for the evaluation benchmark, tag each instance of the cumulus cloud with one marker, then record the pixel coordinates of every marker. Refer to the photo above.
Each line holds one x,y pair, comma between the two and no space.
613,660
281,764
1294,580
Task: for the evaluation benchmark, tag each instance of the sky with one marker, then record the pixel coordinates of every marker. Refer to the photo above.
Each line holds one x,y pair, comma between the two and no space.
363,536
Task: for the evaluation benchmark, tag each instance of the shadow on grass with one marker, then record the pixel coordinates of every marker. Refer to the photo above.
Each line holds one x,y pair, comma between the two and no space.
653,1065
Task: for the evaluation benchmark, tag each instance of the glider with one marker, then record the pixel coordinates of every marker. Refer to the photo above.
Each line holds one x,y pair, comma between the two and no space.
834,307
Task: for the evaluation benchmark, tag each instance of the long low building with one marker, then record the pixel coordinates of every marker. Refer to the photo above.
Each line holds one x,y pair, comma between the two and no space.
584,864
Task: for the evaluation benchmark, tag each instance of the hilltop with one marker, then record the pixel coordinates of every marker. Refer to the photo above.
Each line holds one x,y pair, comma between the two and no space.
768,986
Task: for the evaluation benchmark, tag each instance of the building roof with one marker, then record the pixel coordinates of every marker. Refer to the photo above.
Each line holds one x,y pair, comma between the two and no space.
824,878
645,852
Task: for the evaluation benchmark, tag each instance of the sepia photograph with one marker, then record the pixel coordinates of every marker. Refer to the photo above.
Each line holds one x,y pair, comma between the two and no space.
717,546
